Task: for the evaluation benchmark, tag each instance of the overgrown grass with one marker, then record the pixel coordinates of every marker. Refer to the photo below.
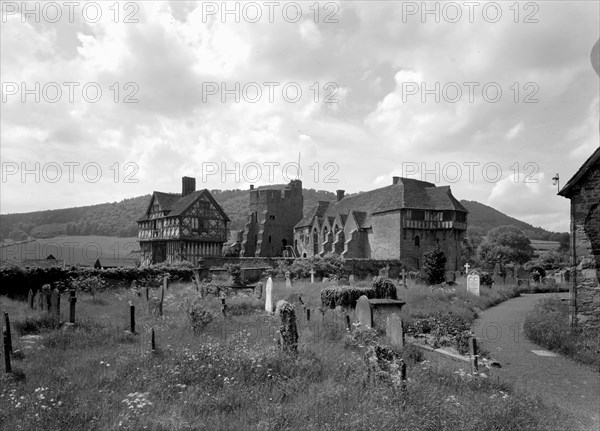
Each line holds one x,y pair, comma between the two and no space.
232,376
548,325
444,316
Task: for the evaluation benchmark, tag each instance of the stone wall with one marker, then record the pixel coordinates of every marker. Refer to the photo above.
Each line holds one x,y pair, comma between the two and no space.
585,246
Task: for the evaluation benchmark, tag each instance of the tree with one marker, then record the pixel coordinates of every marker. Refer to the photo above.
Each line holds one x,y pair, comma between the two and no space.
505,244
434,266
553,260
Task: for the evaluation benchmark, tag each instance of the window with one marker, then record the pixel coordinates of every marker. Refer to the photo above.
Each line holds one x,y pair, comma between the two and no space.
271,217
417,241
269,239
417,215
448,216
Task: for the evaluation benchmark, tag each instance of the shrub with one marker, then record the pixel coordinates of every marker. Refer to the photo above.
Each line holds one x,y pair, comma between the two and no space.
434,266
384,288
345,296
198,315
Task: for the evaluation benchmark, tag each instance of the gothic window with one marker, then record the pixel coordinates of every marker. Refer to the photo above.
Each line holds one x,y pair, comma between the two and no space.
417,241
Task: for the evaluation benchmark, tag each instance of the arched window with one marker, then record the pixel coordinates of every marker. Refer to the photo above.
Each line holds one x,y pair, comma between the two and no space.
417,241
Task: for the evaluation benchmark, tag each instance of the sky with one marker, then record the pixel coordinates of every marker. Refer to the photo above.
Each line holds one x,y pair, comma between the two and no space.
103,101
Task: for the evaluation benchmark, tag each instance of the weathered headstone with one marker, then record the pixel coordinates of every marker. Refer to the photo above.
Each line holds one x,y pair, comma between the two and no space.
269,296
288,281
363,312
404,277
385,272
258,290
473,284
30,299
394,330
351,279
312,275
133,285
325,280
166,283
55,305
343,282
288,329
41,298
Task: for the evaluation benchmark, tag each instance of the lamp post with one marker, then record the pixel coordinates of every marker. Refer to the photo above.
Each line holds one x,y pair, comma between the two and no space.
556,182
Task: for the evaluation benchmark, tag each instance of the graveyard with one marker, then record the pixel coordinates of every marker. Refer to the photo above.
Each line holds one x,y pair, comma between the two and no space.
181,356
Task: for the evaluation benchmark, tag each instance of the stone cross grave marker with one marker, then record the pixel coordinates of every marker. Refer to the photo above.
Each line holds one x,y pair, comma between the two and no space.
363,312
393,330
473,284
467,266
288,281
268,296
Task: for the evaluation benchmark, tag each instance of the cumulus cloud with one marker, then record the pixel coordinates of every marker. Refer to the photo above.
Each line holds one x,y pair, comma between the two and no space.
406,93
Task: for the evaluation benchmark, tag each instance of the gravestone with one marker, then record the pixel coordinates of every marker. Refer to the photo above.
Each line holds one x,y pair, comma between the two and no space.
393,329
312,275
41,298
473,284
288,330
30,298
343,282
269,296
258,290
55,305
384,272
363,312
288,281
351,279
325,280
166,283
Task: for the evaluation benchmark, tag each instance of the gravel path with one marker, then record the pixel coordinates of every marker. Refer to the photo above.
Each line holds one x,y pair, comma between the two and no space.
555,378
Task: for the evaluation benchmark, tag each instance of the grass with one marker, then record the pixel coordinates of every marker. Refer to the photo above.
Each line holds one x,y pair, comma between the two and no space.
548,325
232,376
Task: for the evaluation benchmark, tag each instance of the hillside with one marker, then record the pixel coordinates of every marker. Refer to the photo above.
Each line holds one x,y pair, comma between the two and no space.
118,219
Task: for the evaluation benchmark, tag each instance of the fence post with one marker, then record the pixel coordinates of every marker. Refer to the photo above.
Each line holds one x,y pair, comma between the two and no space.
7,353
72,301
132,318
7,333
474,354
153,342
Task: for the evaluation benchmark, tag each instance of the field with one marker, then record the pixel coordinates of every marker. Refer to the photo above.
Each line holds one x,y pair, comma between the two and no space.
73,250
231,374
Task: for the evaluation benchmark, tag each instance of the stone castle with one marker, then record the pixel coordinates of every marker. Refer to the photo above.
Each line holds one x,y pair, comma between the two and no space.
401,221
269,231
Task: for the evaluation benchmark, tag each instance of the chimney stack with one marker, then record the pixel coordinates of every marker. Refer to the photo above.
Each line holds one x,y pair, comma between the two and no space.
188,185
340,195
395,180
251,186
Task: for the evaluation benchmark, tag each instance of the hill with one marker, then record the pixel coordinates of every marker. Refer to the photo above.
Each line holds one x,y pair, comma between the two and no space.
118,219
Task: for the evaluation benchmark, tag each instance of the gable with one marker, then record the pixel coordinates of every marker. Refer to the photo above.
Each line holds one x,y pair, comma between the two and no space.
592,163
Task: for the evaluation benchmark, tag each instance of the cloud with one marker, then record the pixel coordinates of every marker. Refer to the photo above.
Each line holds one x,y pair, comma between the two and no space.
365,60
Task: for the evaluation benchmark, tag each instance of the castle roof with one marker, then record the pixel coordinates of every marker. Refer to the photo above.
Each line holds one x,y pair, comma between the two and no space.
405,193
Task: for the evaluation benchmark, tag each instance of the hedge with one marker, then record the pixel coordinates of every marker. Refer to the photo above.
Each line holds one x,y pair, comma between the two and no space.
16,281
346,296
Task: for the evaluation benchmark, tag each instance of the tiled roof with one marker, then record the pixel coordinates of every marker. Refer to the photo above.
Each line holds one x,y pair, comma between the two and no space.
407,193
174,204
591,161
318,211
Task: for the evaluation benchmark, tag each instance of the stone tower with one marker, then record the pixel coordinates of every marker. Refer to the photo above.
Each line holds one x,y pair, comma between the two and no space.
273,213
